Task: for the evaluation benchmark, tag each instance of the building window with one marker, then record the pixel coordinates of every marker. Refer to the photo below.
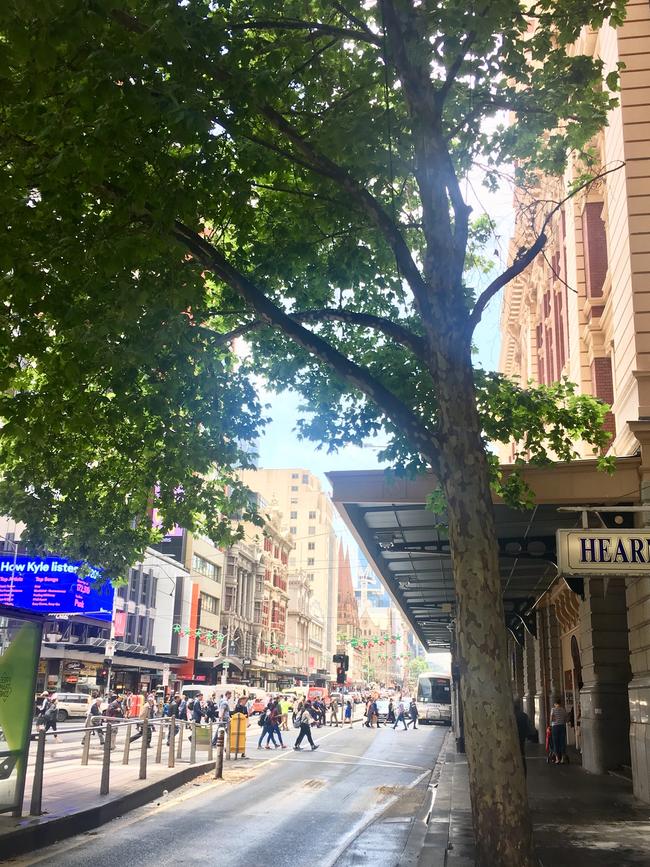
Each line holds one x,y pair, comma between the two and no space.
311,546
294,488
312,516
310,561
292,531
209,604
295,475
229,602
293,516
206,568
310,576
294,501
305,479
311,531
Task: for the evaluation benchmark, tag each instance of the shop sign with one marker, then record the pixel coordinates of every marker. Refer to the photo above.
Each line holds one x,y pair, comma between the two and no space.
72,666
610,552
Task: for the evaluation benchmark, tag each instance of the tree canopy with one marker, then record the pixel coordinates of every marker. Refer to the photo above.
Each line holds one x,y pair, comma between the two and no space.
179,173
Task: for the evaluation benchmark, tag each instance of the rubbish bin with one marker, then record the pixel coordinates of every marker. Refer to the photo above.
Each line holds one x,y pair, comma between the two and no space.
238,725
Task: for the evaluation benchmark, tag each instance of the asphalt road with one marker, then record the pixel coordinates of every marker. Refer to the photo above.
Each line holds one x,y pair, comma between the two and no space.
349,802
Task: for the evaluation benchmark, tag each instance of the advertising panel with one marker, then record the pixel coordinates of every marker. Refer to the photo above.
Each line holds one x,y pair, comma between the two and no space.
20,643
52,585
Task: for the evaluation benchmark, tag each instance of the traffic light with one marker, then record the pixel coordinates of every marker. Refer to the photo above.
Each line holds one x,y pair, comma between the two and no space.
342,659
101,676
340,674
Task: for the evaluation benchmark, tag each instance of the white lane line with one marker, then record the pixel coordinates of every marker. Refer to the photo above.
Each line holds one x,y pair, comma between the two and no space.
375,761
366,820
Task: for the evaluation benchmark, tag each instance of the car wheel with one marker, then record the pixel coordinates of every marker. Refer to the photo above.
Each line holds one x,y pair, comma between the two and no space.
61,715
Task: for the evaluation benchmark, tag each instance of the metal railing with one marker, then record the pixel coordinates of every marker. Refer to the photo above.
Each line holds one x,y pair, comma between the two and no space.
116,737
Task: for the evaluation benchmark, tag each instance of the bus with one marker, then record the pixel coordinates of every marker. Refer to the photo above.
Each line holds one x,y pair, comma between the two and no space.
434,698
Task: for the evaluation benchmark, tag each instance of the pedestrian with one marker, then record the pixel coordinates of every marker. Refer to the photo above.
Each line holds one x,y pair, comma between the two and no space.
368,714
198,709
223,715
559,719
334,712
274,718
524,730
147,714
267,728
285,707
50,714
400,715
374,709
172,713
94,719
348,712
413,715
306,722
390,716
182,708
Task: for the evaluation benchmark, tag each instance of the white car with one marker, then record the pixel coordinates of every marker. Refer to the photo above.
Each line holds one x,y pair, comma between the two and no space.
71,704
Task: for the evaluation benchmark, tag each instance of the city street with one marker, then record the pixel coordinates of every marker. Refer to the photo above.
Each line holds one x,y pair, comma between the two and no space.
349,802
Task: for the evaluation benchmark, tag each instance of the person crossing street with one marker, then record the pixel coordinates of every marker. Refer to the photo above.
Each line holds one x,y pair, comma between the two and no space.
306,722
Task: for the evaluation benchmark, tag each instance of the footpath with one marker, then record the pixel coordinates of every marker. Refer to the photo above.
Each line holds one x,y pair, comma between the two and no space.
579,819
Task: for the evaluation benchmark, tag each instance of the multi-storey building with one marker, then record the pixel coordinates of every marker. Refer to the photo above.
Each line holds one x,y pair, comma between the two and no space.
205,563
304,629
308,515
583,311
348,619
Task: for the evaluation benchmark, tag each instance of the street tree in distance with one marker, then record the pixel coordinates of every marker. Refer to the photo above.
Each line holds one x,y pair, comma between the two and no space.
177,174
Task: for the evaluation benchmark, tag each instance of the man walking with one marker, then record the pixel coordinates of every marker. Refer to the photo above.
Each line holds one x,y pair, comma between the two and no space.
223,715
334,712
172,713
400,715
306,721
413,715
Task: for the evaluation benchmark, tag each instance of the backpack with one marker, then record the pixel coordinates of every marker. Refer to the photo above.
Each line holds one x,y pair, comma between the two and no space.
262,720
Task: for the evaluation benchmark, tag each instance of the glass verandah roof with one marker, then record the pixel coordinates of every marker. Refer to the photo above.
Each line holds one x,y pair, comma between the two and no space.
407,545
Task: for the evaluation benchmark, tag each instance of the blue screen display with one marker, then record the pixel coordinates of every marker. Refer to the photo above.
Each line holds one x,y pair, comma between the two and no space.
51,585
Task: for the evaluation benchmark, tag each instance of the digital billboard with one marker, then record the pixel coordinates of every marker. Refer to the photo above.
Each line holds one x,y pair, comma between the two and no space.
52,585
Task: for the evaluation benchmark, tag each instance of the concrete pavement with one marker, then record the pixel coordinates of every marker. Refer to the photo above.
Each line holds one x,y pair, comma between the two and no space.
282,806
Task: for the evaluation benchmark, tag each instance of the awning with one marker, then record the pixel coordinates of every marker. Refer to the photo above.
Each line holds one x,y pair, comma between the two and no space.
409,551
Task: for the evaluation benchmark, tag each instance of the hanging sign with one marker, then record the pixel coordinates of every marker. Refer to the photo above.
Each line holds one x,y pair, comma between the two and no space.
597,552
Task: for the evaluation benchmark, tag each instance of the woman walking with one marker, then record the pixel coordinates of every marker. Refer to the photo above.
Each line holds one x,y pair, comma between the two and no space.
267,728
348,712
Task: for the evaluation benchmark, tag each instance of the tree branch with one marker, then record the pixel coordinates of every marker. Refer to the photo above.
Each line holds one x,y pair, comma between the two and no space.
422,438
399,333
525,257
363,35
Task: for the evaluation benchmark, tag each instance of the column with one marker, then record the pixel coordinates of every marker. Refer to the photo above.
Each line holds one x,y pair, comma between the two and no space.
604,650
554,656
529,675
638,612
517,669
541,677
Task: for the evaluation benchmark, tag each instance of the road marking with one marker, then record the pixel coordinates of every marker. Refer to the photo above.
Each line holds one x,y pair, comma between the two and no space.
376,761
366,820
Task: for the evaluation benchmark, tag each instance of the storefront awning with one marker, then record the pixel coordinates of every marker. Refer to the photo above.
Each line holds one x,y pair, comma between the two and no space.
408,548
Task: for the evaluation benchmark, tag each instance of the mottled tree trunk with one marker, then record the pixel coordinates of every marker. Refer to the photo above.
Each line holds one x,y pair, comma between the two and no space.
500,812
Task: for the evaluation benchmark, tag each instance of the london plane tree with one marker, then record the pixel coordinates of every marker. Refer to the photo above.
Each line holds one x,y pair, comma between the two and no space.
178,173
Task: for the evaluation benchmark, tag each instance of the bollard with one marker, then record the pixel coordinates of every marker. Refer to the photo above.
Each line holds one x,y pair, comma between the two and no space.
127,745
193,744
143,749
218,765
86,747
37,785
238,721
179,751
210,747
172,741
106,762
161,729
